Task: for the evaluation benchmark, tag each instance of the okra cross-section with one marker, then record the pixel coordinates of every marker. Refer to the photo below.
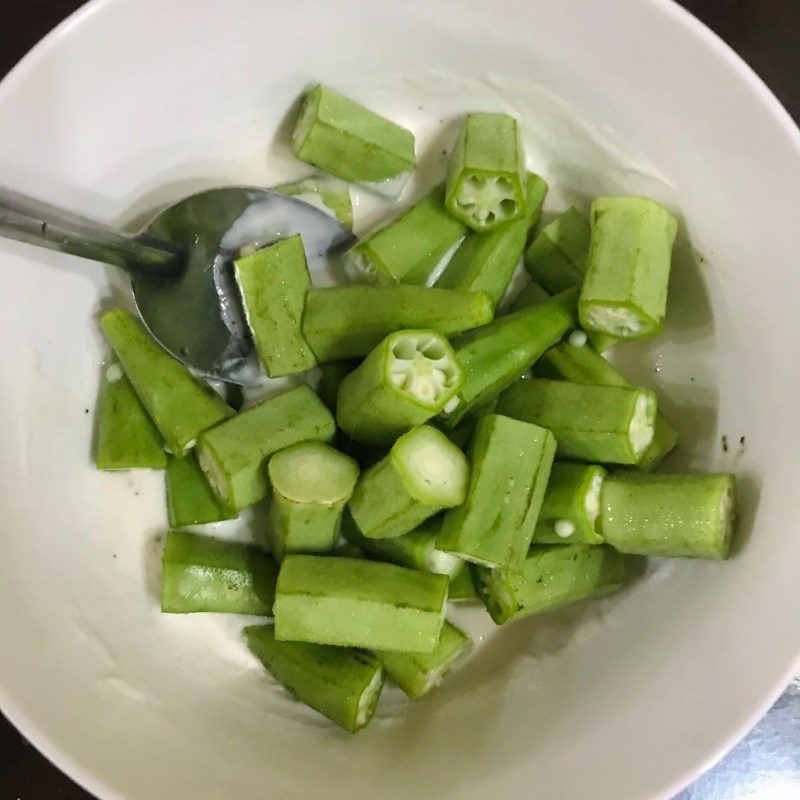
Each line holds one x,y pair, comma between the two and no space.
600,424
625,289
486,175
181,406
552,576
510,463
354,603
310,484
672,516
408,378
273,283
342,684
233,454
423,474
190,498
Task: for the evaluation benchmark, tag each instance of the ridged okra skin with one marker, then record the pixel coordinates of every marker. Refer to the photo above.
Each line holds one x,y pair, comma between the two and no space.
486,174
355,603
348,321
200,573
624,292
233,454
340,683
190,498
348,140
462,586
324,192
552,576
510,466
180,405
556,258
407,379
672,516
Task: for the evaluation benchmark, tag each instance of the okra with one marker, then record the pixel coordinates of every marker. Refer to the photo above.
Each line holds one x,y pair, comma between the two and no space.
233,454
324,192
417,673
331,376
424,473
310,483
354,603
494,356
348,140
342,684
462,586
673,516
181,406
556,259
407,379
531,295
190,498
126,436
486,174
600,424
552,576
407,249
204,574
349,321
486,261
625,289
510,463
273,283
571,506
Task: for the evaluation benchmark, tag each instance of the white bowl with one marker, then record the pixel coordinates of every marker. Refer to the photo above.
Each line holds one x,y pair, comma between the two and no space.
134,102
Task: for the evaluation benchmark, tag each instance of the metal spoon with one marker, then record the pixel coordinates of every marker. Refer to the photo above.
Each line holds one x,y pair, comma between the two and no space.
181,264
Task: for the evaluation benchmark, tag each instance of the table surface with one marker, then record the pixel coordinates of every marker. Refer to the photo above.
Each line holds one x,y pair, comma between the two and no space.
766,765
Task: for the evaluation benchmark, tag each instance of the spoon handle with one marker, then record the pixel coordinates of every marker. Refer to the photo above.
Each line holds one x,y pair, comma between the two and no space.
32,221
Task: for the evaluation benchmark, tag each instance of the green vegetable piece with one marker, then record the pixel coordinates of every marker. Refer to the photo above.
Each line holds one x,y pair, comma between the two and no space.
353,603
511,463
204,574
486,175
348,140
552,576
126,436
462,586
190,499
324,192
331,376
310,484
180,405
571,506
494,356
486,261
342,684
417,673
273,283
349,321
409,248
423,474
556,259
600,424
408,378
233,454
625,289
672,516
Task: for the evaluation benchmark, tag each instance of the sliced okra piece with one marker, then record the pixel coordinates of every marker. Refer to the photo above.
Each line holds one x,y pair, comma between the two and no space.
486,174
332,374
462,586
273,283
310,483
408,378
233,454
423,474
409,248
417,673
190,498
510,462
531,295
599,424
351,142
354,603
340,683
625,289
324,192
552,576
126,436
670,516
200,573
180,405
556,258
349,321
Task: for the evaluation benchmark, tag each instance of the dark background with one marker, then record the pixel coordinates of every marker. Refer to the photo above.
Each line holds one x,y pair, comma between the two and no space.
766,33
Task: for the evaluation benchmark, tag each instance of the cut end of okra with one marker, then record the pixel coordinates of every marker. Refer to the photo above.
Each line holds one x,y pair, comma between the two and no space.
642,426
313,472
619,321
